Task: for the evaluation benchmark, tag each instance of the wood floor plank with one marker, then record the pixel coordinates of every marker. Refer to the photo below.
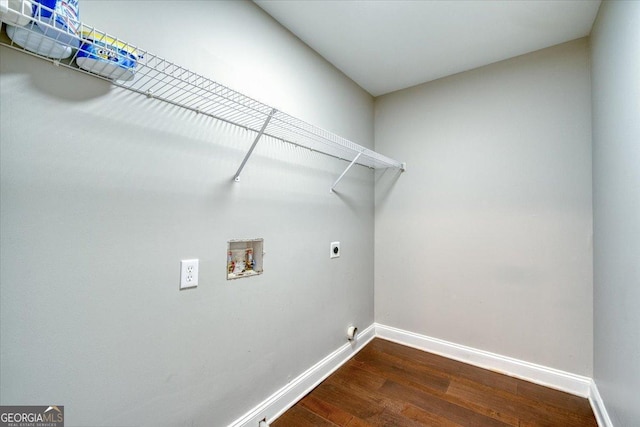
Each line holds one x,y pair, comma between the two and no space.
555,398
299,416
389,417
516,407
387,367
487,402
387,384
326,410
442,365
357,422
353,375
439,406
359,405
427,418
402,371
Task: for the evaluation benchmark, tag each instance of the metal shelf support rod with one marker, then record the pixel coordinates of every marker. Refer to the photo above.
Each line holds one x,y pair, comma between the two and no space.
353,162
236,178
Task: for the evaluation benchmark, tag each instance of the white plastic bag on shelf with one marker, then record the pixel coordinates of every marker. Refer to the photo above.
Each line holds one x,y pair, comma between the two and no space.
31,38
52,29
16,12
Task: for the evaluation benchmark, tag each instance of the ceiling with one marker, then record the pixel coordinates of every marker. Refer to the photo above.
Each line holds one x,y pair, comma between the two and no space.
389,45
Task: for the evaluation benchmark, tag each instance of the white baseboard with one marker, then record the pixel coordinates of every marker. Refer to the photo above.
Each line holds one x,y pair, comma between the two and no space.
287,396
549,377
598,406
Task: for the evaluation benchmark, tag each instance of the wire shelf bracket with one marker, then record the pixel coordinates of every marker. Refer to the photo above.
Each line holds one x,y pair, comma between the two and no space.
137,70
353,162
236,178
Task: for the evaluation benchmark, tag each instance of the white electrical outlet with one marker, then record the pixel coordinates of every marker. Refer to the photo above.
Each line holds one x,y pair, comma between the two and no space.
335,250
188,273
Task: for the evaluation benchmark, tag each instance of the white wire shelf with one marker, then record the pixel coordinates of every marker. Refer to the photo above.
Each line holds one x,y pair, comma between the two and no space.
133,68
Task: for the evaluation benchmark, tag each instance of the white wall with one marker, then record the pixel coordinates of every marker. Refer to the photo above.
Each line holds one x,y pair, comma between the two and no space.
103,192
486,240
615,45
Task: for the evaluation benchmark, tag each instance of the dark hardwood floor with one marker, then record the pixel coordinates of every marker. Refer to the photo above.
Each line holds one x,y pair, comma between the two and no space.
387,384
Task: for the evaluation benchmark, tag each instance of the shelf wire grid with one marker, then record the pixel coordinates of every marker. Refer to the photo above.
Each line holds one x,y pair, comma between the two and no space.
158,78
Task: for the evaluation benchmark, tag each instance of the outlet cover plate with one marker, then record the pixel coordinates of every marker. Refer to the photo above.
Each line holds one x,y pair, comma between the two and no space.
188,273
335,250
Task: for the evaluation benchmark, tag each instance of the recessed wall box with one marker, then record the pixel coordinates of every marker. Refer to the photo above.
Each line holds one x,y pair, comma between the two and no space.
244,258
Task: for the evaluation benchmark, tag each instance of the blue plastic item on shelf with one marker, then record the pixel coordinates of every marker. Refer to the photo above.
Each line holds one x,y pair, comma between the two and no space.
64,15
107,57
